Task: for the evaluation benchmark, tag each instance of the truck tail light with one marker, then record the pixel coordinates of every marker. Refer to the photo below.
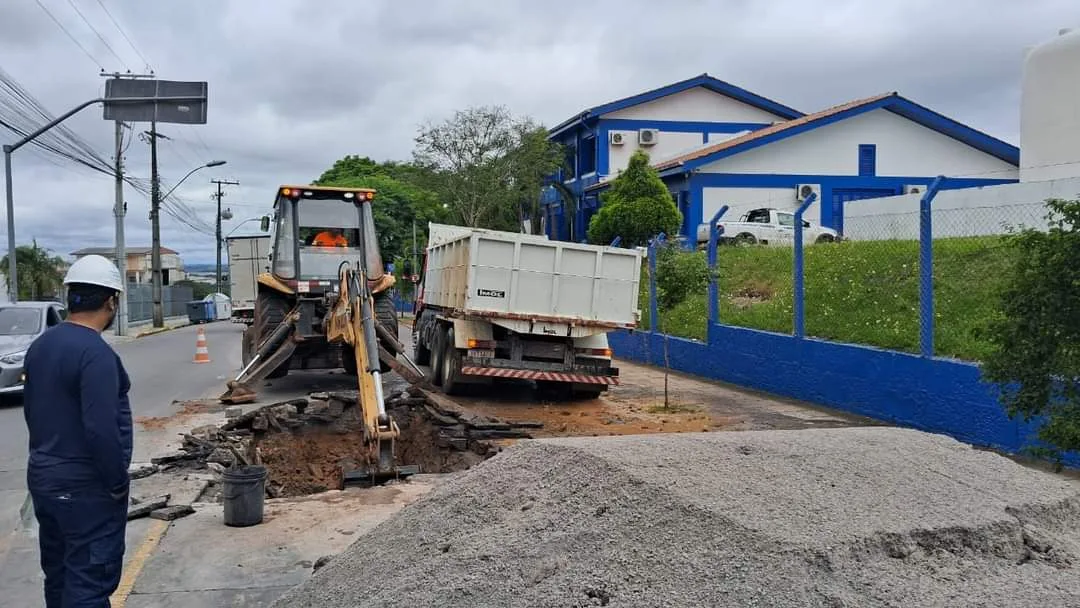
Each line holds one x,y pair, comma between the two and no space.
474,343
596,352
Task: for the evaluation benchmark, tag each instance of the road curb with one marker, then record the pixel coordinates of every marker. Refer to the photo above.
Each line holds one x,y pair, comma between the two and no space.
159,330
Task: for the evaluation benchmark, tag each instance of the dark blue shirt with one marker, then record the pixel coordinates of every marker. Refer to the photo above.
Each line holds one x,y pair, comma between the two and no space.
76,408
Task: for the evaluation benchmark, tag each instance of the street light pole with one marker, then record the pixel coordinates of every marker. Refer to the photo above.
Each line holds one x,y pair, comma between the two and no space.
155,213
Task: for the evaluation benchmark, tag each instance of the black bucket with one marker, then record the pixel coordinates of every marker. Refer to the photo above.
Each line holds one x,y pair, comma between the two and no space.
244,490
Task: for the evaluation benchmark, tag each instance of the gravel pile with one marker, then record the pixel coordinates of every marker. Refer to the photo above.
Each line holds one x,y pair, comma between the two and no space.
838,517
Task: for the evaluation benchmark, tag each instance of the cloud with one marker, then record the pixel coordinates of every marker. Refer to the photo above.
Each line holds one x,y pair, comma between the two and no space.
295,85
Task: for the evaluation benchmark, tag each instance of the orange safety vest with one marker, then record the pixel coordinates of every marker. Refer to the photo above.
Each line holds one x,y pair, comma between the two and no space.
326,239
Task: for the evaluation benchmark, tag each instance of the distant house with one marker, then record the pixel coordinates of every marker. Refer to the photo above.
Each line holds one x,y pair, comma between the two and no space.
139,268
716,144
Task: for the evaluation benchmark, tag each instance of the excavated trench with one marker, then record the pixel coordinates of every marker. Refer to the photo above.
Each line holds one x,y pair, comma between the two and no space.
313,458
309,445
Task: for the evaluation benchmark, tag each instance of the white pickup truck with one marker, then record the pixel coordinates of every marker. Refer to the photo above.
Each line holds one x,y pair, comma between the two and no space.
767,227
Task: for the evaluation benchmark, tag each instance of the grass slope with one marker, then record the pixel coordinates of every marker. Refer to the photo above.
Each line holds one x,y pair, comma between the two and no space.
863,292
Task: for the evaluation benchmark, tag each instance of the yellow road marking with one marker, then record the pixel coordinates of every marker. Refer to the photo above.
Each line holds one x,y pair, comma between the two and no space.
138,560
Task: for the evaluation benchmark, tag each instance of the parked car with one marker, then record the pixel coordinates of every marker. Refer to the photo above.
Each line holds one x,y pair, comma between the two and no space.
20,324
767,227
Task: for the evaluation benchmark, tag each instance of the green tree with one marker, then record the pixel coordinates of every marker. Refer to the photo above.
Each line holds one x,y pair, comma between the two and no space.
487,165
40,275
400,200
637,207
1035,359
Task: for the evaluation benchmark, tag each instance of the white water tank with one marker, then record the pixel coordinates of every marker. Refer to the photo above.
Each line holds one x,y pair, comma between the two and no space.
1050,110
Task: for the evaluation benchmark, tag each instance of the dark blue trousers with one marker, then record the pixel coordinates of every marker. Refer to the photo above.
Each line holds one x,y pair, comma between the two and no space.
81,534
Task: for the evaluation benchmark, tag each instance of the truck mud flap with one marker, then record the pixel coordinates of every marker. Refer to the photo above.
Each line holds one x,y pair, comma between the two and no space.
525,374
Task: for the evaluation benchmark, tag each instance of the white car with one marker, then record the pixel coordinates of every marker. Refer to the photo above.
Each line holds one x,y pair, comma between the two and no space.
767,227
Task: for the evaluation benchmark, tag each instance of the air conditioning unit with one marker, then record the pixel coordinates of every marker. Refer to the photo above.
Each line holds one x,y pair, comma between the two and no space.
804,190
616,138
914,189
648,137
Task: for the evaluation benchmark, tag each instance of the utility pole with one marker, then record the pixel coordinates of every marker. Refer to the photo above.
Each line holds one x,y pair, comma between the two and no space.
119,211
217,234
155,223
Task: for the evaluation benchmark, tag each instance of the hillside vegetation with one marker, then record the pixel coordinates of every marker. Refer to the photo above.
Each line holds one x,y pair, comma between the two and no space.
864,292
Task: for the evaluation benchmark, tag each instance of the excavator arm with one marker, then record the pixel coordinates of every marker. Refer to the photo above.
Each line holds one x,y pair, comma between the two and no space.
352,321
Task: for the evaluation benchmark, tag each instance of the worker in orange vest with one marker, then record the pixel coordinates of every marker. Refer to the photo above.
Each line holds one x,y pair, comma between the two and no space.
331,237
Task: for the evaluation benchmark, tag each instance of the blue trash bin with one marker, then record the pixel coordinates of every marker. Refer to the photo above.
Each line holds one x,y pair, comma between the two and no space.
199,312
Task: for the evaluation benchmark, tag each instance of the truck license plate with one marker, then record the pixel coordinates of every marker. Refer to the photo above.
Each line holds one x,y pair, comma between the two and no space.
481,353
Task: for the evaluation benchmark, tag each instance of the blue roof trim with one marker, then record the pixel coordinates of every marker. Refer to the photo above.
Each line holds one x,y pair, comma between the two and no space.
894,103
704,80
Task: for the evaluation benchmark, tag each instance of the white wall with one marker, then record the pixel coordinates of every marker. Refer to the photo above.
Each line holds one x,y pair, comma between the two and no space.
741,200
697,104
904,148
967,212
667,145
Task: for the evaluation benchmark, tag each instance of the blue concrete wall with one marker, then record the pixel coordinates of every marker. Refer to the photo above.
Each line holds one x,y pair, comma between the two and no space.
930,394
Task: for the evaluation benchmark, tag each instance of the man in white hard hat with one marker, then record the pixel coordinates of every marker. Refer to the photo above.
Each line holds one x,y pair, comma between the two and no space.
79,418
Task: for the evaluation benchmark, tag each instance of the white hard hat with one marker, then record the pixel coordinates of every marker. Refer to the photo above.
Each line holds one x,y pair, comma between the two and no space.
94,270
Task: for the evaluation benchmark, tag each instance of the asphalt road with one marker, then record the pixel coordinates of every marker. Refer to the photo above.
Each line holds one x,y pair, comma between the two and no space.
161,371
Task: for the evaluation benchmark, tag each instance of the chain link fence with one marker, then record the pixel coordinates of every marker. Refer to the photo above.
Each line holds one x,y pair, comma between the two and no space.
865,288
140,300
870,288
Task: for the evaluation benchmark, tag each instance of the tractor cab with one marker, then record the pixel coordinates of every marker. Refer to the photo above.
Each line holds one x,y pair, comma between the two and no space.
316,229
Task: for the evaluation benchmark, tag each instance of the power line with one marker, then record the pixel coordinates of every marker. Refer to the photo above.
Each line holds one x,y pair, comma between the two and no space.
61,26
98,34
124,34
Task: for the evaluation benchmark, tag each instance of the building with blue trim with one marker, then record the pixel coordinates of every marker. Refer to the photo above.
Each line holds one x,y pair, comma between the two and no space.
717,144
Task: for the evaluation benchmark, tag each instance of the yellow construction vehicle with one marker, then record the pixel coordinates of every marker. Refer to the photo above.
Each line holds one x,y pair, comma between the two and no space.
325,304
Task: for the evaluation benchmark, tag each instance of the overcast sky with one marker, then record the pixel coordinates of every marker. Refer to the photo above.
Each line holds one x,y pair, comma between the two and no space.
295,85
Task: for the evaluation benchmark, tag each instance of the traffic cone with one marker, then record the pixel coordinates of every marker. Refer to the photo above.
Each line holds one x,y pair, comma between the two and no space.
202,354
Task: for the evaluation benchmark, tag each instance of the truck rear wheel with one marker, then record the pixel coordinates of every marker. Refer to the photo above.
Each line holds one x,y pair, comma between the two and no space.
450,372
270,311
438,338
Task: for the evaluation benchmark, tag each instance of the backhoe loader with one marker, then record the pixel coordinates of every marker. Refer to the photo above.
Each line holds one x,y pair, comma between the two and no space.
325,304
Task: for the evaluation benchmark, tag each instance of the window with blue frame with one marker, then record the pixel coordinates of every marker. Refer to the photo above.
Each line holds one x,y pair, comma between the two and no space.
587,159
570,171
867,160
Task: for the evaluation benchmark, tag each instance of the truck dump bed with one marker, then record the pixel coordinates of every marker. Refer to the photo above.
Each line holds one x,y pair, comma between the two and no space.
519,276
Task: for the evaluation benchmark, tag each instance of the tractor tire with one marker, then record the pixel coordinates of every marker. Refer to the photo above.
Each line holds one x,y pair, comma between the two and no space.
248,346
348,360
270,311
386,315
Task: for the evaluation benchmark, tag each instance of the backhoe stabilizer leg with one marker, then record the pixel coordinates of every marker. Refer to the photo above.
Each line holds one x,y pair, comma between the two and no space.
272,353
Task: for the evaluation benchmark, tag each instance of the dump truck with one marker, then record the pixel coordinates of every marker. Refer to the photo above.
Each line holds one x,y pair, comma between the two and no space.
324,303
495,304
249,256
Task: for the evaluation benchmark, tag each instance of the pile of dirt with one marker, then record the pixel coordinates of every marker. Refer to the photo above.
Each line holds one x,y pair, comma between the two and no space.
836,517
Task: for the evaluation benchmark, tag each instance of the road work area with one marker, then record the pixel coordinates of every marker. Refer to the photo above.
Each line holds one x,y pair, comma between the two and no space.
631,499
